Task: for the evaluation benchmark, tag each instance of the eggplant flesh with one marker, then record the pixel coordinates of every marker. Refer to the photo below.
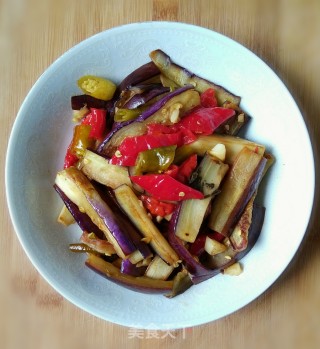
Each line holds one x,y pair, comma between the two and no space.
240,233
65,217
182,76
130,204
158,269
239,185
192,213
99,169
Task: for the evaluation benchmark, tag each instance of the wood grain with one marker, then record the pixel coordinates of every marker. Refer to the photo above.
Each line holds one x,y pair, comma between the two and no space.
285,34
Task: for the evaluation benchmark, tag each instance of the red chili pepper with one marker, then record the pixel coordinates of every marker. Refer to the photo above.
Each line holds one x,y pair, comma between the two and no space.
157,207
132,146
206,120
208,99
197,247
97,120
70,158
172,171
186,168
165,188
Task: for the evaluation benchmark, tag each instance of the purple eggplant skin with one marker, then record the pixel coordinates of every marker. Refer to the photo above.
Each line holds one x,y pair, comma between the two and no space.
139,90
142,98
159,104
138,284
182,76
102,148
213,265
83,190
78,102
84,221
144,72
108,196
131,269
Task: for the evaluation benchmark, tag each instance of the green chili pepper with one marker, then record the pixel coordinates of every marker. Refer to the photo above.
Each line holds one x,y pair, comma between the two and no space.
126,114
155,160
97,87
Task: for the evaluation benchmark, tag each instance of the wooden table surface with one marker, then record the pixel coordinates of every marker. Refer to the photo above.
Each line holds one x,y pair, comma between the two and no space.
286,35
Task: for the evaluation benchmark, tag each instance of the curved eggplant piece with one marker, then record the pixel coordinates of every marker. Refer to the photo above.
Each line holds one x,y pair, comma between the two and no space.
159,104
113,139
181,283
135,96
145,72
139,284
182,76
83,220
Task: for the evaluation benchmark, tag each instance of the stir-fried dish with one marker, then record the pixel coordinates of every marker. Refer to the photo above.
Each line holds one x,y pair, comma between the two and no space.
162,188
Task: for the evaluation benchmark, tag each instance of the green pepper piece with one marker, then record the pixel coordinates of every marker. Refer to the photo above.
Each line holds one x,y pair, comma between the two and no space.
155,160
97,87
122,114
81,140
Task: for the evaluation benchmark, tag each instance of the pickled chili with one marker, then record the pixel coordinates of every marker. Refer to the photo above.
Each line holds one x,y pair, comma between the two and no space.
165,187
155,160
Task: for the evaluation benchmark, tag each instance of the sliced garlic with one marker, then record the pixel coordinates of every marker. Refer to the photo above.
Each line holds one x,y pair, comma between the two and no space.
219,151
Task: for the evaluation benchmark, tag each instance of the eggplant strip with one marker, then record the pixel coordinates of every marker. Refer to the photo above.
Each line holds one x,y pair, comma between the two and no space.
141,284
138,215
233,145
238,187
99,169
83,220
182,76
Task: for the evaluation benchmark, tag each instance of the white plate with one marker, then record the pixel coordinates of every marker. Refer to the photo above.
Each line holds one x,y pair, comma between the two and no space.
42,132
